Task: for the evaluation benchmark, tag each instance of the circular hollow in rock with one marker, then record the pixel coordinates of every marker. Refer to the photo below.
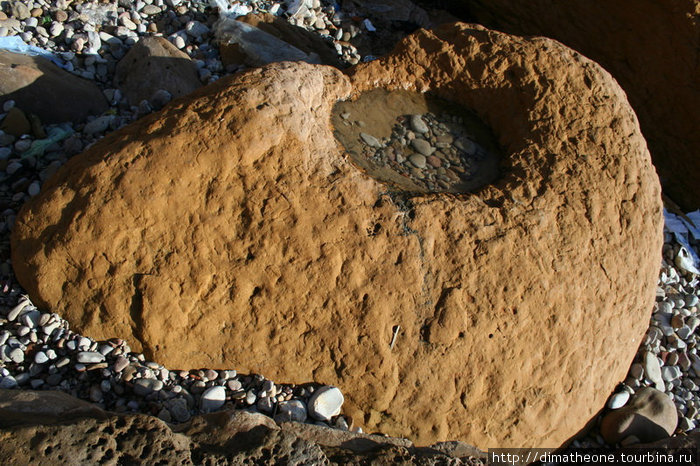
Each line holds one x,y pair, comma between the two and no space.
229,230
380,133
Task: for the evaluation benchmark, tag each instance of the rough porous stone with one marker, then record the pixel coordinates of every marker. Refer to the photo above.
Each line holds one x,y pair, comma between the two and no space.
649,416
653,57
155,64
40,87
229,437
233,218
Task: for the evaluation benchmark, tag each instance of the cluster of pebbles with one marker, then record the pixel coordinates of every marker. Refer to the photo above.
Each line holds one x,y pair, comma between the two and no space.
668,358
435,152
39,351
91,37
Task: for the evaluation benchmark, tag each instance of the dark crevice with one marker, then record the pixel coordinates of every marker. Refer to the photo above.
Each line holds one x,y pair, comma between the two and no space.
136,310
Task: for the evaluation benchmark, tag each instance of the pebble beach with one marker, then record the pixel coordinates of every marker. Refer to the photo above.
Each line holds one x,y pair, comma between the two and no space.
39,351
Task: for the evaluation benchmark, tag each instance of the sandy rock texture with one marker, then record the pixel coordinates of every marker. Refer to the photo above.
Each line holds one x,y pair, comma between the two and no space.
88,435
649,46
230,230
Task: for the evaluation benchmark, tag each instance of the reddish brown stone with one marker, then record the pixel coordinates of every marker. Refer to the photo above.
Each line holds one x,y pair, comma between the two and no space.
653,57
230,230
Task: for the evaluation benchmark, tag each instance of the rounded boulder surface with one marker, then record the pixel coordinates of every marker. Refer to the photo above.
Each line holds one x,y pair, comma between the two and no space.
650,416
230,230
655,62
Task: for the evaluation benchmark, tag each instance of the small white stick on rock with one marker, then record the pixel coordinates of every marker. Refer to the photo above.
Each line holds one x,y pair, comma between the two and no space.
393,339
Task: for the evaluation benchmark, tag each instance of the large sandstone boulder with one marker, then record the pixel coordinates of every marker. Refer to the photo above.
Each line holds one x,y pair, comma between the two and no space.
649,46
40,87
230,230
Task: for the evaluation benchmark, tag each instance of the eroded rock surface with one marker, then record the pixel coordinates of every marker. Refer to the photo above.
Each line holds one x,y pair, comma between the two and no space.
653,57
231,230
232,437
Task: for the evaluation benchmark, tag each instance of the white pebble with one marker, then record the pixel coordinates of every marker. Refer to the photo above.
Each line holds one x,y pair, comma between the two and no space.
15,311
325,403
618,400
90,357
17,355
40,357
213,398
179,42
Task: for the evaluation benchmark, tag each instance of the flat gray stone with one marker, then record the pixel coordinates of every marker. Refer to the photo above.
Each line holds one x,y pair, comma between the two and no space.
418,125
422,146
370,140
90,357
417,160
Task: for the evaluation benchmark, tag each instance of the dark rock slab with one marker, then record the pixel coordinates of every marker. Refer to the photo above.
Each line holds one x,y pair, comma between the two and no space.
40,87
154,64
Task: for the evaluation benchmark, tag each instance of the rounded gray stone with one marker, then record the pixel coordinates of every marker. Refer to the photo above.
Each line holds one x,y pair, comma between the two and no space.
417,160
422,146
213,398
90,357
40,357
8,382
293,410
418,125
144,387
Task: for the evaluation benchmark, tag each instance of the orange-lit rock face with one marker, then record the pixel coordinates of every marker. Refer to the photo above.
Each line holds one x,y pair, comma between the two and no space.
654,62
230,230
